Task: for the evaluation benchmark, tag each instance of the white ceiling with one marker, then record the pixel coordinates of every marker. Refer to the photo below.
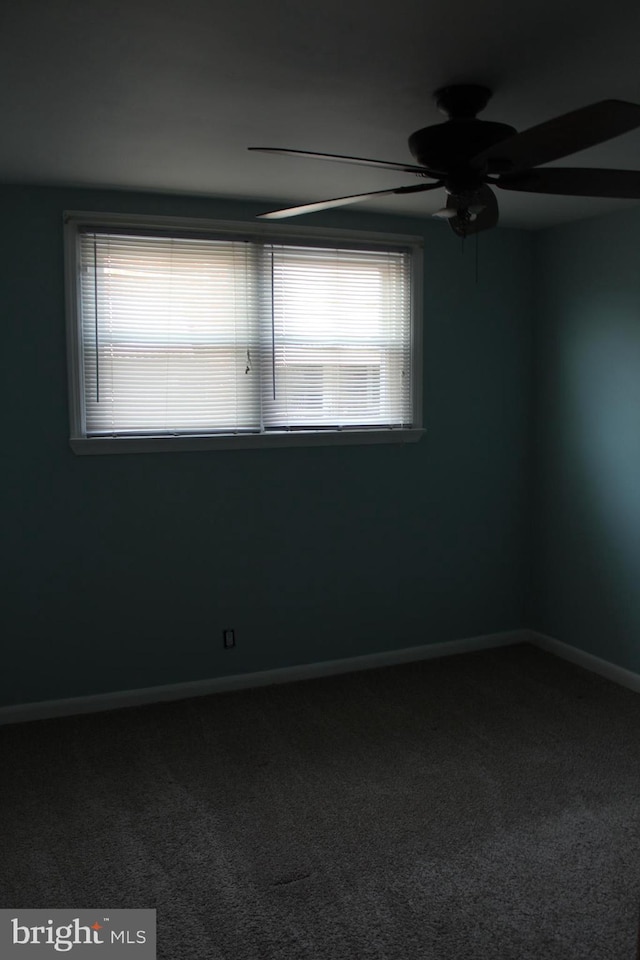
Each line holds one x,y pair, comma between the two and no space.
158,95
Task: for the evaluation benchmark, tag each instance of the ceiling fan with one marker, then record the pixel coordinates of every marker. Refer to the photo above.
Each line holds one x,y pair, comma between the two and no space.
468,157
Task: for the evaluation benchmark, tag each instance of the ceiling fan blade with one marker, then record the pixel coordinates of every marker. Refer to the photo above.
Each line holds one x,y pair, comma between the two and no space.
562,136
575,182
465,222
342,201
361,161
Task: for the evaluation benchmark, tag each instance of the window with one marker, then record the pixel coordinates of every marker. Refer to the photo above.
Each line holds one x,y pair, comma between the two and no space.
189,335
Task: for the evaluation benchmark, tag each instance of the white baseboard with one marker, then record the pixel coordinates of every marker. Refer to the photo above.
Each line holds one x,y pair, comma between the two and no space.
46,709
626,678
95,703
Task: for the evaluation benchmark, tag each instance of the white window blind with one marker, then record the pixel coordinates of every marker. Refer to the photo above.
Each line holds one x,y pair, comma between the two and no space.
198,336
341,345
168,330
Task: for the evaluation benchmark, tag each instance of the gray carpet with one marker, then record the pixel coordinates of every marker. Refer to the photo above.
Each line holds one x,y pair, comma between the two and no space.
478,807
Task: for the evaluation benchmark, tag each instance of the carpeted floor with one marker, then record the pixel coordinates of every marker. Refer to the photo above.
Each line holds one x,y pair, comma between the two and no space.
478,807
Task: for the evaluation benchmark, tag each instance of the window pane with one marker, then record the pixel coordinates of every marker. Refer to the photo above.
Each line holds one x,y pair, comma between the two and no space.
169,335
340,351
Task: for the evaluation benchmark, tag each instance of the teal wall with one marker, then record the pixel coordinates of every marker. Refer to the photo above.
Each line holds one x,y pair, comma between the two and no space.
123,570
586,520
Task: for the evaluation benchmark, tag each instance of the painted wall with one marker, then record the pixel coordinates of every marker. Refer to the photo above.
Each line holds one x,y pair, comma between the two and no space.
122,571
586,575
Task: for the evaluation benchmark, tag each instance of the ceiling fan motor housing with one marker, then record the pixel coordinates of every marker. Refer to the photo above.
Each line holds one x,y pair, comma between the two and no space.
447,146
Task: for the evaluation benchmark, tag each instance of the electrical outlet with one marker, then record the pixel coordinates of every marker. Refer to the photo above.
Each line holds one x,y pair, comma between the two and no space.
229,638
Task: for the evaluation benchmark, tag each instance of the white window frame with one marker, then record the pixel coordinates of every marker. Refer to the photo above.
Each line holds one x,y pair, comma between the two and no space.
80,443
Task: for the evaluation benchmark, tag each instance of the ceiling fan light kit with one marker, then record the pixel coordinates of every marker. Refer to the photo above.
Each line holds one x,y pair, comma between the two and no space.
468,157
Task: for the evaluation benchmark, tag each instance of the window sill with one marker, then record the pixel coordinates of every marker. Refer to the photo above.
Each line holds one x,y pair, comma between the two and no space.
112,445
